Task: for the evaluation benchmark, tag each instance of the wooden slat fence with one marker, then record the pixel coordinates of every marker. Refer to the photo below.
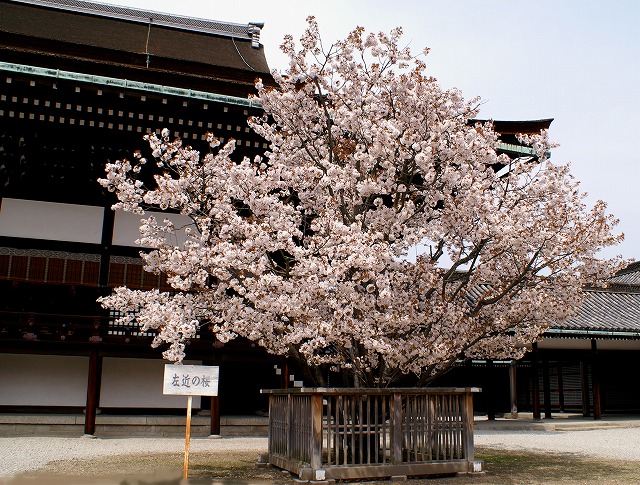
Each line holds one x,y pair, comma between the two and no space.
358,433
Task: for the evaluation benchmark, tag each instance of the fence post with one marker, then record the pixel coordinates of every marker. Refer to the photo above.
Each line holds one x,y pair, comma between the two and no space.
396,428
316,431
469,451
289,429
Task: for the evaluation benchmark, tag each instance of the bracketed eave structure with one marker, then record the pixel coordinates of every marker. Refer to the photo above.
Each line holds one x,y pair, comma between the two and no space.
124,43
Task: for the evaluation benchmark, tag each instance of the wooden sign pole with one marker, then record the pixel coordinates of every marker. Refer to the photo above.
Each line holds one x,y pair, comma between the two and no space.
190,380
185,471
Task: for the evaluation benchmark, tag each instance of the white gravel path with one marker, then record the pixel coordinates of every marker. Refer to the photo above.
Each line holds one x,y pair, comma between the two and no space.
19,454
615,443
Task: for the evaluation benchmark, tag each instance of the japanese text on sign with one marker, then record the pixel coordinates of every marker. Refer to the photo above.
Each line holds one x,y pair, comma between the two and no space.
191,380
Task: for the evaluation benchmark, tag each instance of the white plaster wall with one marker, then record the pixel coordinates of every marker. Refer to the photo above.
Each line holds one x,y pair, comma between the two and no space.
137,383
50,220
564,343
43,380
126,228
585,344
618,344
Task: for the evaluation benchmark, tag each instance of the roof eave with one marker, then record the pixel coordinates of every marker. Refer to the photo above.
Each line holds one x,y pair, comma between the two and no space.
250,31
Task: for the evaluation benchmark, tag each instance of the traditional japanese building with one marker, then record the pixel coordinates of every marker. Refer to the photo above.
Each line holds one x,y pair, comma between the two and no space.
586,363
80,84
577,367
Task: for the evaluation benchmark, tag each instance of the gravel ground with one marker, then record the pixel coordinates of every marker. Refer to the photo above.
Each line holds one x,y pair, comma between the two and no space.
20,454
615,443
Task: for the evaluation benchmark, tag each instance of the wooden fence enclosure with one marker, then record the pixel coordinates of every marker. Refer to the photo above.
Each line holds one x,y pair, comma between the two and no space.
320,433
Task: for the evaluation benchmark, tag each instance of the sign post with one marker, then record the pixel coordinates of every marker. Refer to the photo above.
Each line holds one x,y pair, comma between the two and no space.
190,380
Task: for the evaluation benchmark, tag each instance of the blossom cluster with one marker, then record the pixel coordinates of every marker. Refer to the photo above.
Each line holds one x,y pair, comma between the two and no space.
305,250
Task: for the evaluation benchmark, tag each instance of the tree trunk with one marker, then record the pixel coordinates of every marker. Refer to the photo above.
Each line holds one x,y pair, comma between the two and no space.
311,374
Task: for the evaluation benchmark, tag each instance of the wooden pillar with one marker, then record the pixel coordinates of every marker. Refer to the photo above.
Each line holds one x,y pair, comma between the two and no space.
595,379
94,380
491,400
215,416
215,407
108,219
513,389
584,380
547,389
535,383
560,388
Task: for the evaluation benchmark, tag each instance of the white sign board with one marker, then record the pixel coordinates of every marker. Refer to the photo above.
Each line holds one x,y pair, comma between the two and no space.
191,380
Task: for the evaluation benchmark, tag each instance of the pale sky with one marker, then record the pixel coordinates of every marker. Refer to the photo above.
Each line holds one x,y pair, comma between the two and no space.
575,61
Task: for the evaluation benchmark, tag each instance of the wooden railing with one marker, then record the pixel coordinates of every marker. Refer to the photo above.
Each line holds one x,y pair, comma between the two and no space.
65,329
51,327
367,433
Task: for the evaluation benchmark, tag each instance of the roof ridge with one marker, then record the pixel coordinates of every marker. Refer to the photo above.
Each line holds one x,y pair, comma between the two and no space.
619,289
539,120
631,268
250,31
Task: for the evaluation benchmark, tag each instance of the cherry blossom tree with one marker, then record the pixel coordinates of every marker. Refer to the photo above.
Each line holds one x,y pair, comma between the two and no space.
307,251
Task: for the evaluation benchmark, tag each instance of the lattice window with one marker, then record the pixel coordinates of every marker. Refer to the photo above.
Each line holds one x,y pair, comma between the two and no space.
131,329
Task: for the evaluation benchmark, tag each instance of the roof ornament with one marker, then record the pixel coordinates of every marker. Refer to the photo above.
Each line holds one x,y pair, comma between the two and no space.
254,30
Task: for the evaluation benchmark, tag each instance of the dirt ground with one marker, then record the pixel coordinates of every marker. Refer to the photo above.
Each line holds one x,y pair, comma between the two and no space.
502,467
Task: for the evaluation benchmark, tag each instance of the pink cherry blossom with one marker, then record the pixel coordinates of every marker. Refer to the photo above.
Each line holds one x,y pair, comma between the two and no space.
305,251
